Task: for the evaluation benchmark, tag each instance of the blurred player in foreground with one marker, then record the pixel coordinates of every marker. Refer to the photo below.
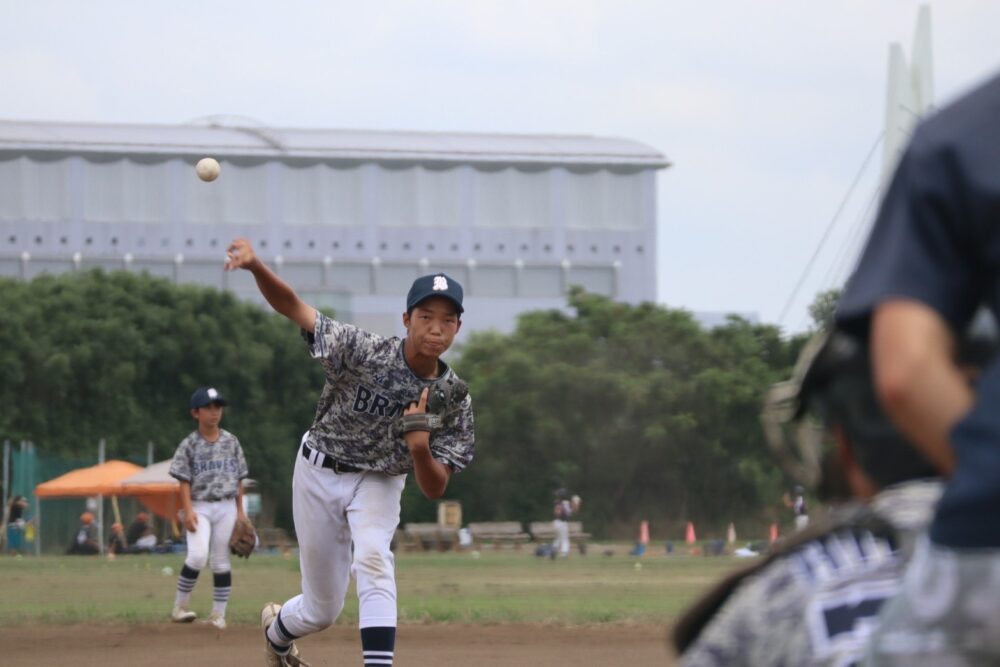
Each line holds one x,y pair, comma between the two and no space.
389,407
815,599
932,259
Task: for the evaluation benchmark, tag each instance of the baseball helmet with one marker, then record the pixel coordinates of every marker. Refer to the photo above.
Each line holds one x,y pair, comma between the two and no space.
831,385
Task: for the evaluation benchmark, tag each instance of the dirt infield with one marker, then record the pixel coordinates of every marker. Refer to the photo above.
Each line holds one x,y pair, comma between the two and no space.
169,645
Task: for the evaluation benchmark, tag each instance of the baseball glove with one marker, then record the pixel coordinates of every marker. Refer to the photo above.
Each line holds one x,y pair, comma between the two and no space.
244,538
443,399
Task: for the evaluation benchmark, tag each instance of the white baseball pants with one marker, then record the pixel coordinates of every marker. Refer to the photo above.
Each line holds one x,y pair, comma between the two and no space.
331,511
215,527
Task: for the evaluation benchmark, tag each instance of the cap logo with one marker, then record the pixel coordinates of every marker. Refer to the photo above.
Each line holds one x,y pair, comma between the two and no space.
213,394
440,284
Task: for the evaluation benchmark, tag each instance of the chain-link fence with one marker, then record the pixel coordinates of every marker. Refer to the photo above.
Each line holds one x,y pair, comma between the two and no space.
48,525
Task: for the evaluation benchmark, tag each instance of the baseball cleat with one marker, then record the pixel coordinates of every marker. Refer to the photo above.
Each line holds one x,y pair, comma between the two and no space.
271,657
217,620
182,615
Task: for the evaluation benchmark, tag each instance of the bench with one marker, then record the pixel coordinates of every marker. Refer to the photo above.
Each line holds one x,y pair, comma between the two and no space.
498,533
542,531
429,537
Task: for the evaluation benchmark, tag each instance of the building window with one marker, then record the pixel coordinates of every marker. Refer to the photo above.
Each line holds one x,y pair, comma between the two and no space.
319,194
127,191
511,198
418,197
604,200
240,197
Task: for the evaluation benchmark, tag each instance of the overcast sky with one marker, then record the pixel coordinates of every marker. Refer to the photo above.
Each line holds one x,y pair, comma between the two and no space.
767,109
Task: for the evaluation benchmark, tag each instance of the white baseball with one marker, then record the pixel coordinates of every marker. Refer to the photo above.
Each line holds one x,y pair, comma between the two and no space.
208,169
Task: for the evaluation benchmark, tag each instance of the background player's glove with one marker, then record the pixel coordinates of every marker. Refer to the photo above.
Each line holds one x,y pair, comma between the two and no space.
244,538
443,399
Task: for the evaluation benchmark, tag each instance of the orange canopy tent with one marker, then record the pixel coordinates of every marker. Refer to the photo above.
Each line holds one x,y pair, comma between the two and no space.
155,488
152,486
103,479
99,480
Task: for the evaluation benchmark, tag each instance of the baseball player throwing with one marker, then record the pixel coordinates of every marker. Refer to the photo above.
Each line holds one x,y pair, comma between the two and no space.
389,406
210,466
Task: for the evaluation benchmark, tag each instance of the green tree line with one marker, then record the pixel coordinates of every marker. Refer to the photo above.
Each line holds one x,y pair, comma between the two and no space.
638,409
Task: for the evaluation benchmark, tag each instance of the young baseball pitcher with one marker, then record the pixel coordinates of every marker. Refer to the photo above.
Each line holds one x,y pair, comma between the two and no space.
210,466
389,406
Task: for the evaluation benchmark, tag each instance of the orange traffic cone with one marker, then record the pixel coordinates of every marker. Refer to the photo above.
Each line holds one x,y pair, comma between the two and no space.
689,534
731,534
774,533
644,533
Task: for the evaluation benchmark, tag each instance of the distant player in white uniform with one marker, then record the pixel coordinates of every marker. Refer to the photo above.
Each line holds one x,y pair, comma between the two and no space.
800,508
389,407
562,511
210,466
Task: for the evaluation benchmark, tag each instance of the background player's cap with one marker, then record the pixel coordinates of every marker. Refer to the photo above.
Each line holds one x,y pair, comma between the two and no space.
436,284
203,396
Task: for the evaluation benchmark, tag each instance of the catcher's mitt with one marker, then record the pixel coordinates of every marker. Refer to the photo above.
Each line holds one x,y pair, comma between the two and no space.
244,538
443,399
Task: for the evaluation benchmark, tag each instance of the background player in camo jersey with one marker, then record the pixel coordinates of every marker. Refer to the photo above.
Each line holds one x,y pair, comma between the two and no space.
210,466
352,462
815,600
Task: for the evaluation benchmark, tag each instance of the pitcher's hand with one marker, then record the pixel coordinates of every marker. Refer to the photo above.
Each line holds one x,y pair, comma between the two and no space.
239,255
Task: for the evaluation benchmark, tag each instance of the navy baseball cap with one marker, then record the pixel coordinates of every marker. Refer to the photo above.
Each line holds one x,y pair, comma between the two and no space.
436,284
203,396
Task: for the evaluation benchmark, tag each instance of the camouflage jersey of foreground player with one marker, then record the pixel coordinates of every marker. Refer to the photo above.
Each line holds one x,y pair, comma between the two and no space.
817,603
214,469
368,385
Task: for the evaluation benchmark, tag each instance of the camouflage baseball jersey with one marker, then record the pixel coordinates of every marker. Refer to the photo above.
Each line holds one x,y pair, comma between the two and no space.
817,604
368,385
214,469
944,613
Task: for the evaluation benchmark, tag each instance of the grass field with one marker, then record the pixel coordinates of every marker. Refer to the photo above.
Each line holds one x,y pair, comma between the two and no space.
497,587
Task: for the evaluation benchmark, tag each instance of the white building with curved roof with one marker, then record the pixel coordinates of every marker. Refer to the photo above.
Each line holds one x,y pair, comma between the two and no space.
348,217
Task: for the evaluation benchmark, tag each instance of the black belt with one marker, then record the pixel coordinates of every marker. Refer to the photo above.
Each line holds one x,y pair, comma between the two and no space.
321,459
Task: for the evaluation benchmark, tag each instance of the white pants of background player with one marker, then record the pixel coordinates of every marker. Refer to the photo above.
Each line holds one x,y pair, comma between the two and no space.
215,526
561,544
331,510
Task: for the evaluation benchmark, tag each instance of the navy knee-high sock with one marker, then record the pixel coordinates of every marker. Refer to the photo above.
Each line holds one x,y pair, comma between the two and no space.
378,646
185,584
